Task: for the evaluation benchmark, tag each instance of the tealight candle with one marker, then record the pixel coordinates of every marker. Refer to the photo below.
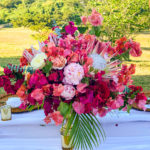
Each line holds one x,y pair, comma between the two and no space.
5,113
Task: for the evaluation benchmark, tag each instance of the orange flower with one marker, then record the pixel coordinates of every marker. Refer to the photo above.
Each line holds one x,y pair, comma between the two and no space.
58,62
22,92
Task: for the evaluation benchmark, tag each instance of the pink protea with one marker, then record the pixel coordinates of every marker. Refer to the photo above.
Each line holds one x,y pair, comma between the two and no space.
74,73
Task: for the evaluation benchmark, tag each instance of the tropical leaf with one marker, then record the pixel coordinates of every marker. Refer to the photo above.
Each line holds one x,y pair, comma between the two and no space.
85,131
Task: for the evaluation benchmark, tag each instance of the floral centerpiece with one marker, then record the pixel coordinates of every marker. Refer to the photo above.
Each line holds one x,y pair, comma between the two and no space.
75,77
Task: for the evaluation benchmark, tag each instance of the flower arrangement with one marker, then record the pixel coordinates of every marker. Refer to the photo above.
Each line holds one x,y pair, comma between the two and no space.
76,77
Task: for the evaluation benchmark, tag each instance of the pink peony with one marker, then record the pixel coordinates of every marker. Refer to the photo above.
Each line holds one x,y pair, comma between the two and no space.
84,19
38,95
73,73
78,107
68,92
57,117
58,89
95,19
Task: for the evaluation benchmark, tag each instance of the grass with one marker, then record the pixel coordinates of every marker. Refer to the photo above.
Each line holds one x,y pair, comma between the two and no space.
14,40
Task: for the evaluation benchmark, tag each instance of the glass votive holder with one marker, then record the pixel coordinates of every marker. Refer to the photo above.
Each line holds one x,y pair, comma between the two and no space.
5,112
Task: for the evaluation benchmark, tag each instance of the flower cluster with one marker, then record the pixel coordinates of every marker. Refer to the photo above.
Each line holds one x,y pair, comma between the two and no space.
77,73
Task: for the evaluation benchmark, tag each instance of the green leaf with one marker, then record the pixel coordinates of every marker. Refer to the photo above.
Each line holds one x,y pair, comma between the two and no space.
77,20
97,30
85,80
129,108
47,68
92,32
30,107
82,30
63,108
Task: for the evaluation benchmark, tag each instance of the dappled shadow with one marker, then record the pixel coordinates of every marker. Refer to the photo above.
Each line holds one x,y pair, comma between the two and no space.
146,48
144,32
8,25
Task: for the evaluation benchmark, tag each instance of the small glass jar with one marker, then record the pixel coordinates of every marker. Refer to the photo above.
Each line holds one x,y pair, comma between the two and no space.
6,112
66,144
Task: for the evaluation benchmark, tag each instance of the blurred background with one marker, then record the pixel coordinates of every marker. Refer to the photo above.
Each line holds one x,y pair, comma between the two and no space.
23,22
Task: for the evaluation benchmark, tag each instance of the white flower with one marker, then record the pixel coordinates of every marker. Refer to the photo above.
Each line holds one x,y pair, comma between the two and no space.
98,61
38,62
68,92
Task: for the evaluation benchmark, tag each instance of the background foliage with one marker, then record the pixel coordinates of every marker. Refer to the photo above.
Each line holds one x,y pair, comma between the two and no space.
120,17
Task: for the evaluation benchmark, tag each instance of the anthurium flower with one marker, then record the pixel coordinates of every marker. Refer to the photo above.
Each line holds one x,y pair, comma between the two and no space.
78,107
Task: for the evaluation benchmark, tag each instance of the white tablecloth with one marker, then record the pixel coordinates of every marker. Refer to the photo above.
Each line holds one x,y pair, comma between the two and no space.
25,132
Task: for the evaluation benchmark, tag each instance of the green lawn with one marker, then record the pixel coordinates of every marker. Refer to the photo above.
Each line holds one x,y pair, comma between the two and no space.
14,40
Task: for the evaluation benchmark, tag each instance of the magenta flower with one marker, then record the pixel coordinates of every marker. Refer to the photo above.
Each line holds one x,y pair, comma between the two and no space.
87,98
70,29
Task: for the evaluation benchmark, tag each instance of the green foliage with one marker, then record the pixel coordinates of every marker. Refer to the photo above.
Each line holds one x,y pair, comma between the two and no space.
121,18
63,108
85,131
47,68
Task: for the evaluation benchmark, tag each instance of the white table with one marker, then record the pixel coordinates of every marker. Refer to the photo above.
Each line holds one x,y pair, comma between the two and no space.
24,132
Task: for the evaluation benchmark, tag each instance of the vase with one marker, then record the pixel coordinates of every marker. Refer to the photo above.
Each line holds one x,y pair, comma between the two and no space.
65,139
5,113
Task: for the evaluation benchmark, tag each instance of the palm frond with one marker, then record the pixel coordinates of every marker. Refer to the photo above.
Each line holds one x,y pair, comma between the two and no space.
85,131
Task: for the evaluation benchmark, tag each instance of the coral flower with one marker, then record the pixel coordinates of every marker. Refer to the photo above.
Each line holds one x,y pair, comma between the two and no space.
58,89
38,95
95,19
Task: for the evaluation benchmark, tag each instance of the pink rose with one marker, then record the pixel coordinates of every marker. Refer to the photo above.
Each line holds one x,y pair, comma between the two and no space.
95,19
78,107
68,92
58,89
84,19
38,95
